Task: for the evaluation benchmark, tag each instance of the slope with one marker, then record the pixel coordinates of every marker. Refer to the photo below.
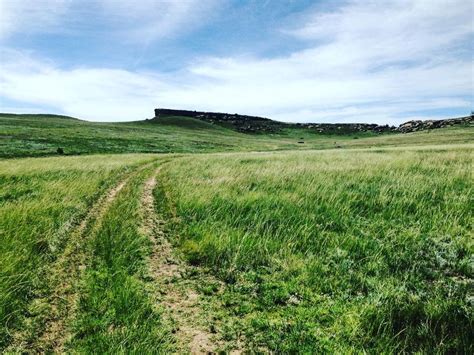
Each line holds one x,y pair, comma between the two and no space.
42,135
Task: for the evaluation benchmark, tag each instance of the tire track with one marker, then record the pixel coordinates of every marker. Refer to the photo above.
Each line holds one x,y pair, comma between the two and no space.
48,331
72,264
183,305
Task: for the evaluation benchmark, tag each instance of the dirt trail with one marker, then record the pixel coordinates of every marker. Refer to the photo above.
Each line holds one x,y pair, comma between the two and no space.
186,311
184,307
48,330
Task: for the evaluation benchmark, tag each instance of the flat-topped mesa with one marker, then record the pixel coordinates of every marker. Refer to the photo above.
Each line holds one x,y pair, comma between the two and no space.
242,123
256,124
207,115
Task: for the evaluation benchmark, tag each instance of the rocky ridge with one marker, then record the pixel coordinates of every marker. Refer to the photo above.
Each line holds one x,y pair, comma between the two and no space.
413,126
256,124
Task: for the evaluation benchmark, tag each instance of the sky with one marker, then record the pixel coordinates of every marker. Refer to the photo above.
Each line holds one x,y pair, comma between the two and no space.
385,61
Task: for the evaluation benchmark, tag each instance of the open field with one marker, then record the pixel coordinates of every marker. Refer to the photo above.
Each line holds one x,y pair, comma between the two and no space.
257,243
331,251
42,135
35,135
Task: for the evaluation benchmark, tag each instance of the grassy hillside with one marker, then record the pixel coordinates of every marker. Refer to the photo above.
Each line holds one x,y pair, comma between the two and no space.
30,135
37,136
42,135
338,244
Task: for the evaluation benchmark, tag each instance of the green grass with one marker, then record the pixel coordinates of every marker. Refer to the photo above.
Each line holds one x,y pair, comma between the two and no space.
332,251
116,314
39,136
42,135
367,247
40,202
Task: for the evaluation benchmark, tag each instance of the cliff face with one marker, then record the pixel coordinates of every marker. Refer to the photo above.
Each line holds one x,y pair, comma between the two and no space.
255,124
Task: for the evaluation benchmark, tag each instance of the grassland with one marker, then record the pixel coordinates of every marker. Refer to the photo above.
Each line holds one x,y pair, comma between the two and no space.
42,135
41,202
306,249
334,251
36,135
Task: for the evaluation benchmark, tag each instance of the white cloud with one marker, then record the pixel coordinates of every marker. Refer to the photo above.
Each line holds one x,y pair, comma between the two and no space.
374,33
106,94
364,62
96,94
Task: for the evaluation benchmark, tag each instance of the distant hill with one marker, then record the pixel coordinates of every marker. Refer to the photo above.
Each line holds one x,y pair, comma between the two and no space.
182,121
240,123
256,124
42,135
37,115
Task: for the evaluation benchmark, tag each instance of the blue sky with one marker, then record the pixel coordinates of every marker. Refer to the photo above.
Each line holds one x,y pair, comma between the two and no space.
385,61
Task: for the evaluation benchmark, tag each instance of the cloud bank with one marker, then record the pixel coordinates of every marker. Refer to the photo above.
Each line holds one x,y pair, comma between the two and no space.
383,62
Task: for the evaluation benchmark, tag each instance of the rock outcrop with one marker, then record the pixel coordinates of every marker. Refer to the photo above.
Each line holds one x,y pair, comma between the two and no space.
413,126
343,128
255,124
241,123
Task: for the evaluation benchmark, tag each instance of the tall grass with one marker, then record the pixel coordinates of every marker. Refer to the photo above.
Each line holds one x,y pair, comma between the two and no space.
336,250
116,312
40,201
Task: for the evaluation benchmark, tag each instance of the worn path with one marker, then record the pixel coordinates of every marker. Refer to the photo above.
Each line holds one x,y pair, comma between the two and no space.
46,330
174,285
186,311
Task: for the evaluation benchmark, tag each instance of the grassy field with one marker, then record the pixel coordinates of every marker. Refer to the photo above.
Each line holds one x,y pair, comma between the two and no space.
36,135
303,249
332,251
41,202
42,135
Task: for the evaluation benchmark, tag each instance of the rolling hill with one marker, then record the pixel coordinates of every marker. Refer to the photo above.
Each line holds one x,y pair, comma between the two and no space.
42,135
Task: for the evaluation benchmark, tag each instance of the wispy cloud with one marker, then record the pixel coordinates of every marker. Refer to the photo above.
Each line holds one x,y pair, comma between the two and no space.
149,20
28,17
144,20
373,33
93,93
